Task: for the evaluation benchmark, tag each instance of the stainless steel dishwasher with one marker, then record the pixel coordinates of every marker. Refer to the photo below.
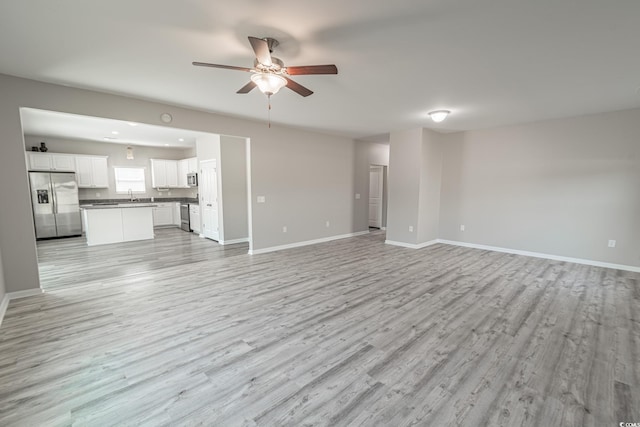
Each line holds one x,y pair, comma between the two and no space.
184,217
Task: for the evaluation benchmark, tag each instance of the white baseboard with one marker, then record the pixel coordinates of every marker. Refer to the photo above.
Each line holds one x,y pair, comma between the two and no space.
305,243
545,256
233,241
3,307
517,252
411,245
4,304
24,294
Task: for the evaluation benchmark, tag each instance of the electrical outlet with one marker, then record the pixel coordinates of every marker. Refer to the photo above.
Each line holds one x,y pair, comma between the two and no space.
97,194
327,224
461,227
261,199
284,229
357,196
612,243
411,228
169,193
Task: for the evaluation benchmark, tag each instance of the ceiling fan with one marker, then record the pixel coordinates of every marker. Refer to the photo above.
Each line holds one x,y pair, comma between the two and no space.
269,73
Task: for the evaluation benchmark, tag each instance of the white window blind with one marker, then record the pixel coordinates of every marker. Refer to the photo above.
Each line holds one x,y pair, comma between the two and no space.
130,179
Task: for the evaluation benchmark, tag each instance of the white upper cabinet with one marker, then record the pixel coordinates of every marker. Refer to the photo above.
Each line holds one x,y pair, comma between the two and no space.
172,173
51,162
192,165
183,170
92,172
63,162
164,173
158,173
100,172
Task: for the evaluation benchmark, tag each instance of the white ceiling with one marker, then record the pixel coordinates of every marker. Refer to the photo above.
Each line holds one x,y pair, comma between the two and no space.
491,63
75,127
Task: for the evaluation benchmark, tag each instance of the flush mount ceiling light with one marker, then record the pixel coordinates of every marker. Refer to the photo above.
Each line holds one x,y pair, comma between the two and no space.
439,115
129,153
269,83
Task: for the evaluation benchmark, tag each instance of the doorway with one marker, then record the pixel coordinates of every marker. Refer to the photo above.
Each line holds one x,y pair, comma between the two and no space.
377,199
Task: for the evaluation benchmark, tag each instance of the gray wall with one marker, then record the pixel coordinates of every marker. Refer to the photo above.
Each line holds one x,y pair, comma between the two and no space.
560,187
117,158
430,183
405,170
306,177
233,171
414,186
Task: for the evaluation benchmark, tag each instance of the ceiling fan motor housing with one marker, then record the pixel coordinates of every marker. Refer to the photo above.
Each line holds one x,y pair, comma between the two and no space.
276,66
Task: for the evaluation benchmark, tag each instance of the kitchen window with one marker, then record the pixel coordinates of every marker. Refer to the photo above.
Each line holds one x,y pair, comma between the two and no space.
130,179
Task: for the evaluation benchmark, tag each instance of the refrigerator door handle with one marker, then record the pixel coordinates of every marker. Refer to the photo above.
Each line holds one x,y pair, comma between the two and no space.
52,189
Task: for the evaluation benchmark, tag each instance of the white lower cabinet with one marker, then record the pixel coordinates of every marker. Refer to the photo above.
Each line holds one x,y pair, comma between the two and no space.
177,220
163,214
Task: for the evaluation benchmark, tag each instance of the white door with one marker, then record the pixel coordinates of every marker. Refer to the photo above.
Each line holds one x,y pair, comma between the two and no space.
375,196
208,186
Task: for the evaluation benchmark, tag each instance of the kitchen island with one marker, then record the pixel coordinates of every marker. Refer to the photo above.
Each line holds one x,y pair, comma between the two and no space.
114,223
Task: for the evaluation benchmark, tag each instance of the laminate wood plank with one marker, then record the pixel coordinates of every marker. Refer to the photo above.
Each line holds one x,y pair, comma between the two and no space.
183,331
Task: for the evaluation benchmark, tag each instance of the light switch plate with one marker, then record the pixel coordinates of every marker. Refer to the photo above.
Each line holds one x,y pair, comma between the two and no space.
261,199
357,195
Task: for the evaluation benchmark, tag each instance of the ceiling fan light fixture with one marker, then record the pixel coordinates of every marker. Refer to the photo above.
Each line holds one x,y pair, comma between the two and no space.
269,83
439,115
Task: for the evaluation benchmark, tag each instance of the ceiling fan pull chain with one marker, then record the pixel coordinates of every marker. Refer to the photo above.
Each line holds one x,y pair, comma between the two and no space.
269,109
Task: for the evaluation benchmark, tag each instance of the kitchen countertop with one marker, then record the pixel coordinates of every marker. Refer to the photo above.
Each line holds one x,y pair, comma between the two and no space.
118,205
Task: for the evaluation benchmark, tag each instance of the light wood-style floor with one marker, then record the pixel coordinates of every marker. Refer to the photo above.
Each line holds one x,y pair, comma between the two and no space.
181,331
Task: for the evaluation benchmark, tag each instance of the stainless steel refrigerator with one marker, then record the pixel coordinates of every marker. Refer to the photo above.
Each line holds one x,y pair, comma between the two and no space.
56,210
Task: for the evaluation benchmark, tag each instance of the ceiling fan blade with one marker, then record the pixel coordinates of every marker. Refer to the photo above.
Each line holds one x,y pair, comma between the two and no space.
261,49
312,69
247,88
228,67
298,88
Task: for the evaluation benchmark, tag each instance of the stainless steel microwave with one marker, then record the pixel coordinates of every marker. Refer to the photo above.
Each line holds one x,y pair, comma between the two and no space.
192,179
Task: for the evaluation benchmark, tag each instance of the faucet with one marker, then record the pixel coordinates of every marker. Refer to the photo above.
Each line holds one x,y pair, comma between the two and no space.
131,198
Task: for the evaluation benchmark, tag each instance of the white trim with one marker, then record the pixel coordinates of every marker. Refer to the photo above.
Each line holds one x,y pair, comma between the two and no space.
24,294
15,295
541,255
3,307
383,228
411,245
305,243
233,241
